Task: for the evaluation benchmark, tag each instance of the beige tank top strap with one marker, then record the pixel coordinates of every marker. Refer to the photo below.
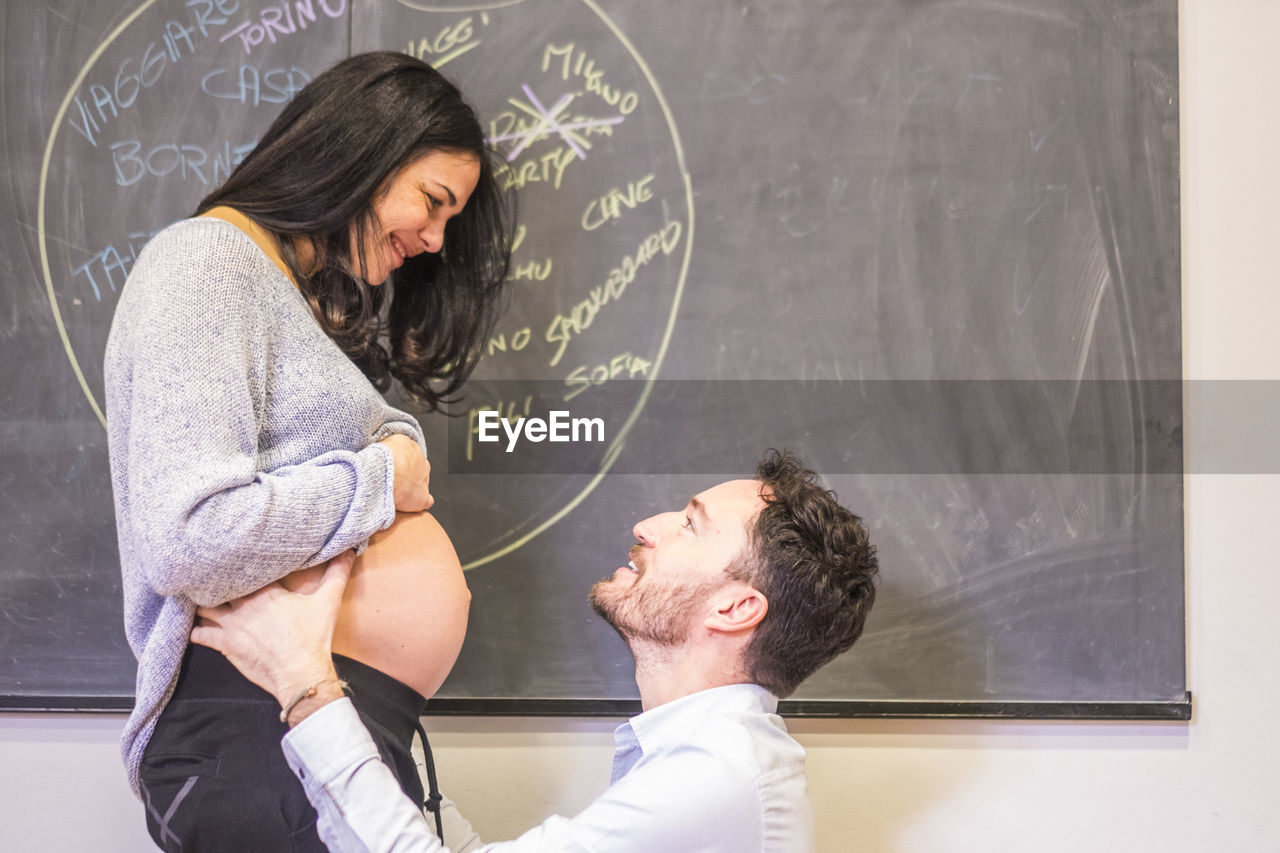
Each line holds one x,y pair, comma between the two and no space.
256,232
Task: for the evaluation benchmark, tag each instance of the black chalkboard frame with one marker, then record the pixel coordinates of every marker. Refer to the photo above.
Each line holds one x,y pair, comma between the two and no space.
852,709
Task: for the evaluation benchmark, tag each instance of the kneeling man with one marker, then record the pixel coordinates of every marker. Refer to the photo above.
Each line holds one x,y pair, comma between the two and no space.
727,605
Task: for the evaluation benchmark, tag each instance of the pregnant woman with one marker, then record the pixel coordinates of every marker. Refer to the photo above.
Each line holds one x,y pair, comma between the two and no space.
363,241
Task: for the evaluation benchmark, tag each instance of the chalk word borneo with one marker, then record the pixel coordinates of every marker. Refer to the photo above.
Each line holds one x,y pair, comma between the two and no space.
559,427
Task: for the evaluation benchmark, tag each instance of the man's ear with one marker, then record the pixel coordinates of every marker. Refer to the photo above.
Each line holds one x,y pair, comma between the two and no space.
735,608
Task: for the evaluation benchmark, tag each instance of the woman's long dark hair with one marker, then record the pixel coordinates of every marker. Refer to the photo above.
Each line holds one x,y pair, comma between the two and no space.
315,175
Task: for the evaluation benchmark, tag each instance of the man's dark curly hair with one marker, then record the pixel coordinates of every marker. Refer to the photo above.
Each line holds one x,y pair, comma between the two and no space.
813,561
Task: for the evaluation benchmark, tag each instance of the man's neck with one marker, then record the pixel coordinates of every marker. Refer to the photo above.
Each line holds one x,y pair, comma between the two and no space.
665,673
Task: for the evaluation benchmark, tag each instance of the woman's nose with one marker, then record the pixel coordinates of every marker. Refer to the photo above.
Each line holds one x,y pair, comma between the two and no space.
433,237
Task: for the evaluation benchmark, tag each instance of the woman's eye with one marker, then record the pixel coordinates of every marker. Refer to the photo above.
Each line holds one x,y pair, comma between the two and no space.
688,523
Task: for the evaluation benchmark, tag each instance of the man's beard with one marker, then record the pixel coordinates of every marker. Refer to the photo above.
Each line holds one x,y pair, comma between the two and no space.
654,612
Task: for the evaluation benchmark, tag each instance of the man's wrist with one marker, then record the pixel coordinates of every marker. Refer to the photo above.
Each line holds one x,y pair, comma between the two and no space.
310,699
312,683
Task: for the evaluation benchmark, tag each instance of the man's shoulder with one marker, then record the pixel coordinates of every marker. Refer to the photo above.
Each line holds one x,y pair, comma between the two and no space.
755,742
734,727
734,777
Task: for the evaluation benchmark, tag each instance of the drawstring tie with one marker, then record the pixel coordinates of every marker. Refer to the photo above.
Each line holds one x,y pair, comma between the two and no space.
432,803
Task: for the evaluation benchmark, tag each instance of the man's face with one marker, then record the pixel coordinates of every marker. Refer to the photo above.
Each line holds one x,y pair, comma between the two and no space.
679,561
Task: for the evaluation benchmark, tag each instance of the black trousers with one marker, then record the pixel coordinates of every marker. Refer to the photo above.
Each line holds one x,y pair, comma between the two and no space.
213,775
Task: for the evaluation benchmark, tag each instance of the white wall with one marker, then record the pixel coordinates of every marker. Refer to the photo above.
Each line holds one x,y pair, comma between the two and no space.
965,786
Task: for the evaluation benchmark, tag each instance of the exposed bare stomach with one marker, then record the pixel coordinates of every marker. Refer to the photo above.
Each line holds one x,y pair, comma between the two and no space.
405,609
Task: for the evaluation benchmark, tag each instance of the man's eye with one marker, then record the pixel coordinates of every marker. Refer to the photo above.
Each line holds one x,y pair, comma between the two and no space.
688,523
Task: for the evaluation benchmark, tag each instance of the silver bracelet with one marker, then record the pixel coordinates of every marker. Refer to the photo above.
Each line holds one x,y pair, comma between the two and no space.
307,693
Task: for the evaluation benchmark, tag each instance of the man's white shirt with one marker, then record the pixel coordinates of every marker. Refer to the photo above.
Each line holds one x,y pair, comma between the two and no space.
714,771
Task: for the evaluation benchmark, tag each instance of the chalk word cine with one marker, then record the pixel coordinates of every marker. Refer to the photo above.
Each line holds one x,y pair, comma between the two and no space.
560,428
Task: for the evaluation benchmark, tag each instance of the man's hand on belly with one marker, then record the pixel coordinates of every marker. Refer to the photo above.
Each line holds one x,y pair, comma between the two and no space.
281,638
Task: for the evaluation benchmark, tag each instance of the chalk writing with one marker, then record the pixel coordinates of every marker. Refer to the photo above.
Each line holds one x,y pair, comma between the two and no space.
132,164
517,241
549,168
622,365
576,64
449,43
547,122
250,85
524,122
101,104
518,341
285,19
580,317
610,205
111,265
211,12
531,270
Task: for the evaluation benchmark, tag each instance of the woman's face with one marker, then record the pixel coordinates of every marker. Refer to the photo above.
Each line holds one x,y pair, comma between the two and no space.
412,210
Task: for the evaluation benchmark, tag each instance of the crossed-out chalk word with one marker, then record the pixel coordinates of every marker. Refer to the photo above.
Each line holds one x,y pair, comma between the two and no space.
549,122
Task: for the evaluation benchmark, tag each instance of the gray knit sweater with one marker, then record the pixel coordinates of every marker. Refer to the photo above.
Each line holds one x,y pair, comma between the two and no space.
242,443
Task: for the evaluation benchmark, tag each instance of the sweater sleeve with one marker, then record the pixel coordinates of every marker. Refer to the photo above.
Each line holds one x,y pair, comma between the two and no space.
205,522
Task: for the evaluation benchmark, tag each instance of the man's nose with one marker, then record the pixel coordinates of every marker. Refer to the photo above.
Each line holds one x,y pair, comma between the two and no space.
646,532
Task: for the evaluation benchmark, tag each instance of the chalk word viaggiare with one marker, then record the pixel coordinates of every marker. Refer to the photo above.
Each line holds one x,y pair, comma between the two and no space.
560,427
177,40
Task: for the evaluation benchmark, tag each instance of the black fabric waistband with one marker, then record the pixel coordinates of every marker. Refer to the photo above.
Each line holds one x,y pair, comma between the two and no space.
377,696
207,674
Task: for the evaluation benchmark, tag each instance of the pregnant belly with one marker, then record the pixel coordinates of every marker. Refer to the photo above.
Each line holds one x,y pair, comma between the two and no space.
405,608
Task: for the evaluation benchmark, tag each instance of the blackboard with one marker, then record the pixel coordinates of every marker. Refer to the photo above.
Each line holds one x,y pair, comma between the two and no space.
930,245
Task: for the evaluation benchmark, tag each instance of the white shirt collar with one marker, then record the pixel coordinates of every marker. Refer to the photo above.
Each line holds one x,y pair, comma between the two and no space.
673,721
